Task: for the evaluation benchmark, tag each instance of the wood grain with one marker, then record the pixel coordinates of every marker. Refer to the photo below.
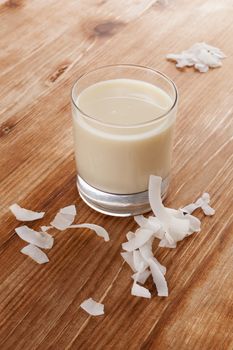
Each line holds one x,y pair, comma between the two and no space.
45,46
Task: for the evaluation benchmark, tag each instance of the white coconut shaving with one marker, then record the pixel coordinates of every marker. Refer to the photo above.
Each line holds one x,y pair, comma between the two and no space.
201,55
141,277
70,210
23,214
64,218
92,307
139,263
99,230
203,203
174,228
39,239
146,250
62,221
158,278
152,223
141,237
140,291
35,254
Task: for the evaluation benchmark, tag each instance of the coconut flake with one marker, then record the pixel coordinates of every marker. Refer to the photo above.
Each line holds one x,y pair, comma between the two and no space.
62,221
141,237
139,263
208,210
35,254
141,277
128,257
147,254
151,223
70,210
194,223
189,208
155,199
146,250
162,268
200,55
164,243
178,229
141,220
159,279
64,218
175,228
99,230
40,239
140,291
203,203
92,307
23,214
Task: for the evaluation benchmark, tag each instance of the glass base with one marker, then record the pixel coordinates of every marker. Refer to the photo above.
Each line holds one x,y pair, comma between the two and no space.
116,204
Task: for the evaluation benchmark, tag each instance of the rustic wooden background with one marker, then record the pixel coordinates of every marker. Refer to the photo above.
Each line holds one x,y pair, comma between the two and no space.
45,46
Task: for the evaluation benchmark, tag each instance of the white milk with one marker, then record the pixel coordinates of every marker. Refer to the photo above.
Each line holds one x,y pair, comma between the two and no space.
119,158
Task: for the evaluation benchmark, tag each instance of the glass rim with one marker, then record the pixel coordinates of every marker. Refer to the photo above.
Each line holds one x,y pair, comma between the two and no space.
93,118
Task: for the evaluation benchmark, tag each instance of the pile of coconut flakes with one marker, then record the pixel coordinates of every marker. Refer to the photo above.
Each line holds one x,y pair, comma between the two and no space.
201,55
168,225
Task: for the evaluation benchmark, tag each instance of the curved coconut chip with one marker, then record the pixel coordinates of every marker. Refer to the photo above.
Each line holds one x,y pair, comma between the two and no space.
189,208
92,307
99,230
140,291
139,263
64,218
40,239
155,200
70,210
147,254
23,214
164,243
141,237
159,279
35,254
203,203
178,229
146,250
150,223
62,221
141,277
194,223
175,225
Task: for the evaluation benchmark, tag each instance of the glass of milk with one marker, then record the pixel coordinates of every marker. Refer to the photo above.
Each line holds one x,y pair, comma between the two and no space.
123,126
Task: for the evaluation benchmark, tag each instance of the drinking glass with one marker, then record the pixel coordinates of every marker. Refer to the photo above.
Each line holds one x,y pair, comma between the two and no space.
123,126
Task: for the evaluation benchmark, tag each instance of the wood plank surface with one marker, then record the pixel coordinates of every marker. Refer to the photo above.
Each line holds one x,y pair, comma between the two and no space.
45,46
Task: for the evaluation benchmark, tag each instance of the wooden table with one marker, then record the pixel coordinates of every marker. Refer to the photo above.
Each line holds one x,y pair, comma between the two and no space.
45,46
